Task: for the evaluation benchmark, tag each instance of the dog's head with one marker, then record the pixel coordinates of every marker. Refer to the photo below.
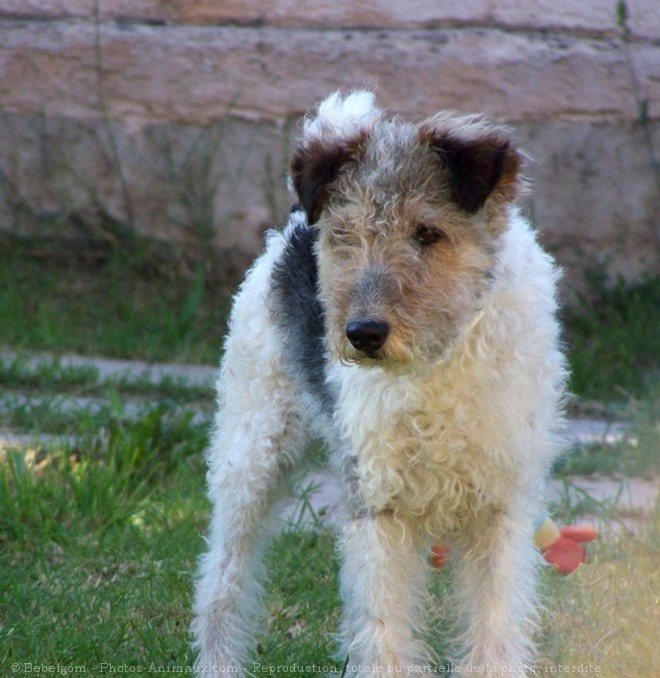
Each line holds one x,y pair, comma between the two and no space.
410,216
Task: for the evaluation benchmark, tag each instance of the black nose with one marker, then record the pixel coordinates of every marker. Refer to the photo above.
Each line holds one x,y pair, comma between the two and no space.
367,335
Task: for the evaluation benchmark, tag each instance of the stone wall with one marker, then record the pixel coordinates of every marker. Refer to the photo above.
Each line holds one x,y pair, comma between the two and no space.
177,116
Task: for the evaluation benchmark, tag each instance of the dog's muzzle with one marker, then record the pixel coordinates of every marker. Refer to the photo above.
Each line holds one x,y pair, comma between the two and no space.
367,334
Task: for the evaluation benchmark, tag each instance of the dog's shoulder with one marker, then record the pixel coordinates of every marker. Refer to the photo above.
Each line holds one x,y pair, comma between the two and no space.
294,276
296,308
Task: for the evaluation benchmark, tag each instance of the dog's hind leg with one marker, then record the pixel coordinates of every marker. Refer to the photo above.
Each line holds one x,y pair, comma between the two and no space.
259,436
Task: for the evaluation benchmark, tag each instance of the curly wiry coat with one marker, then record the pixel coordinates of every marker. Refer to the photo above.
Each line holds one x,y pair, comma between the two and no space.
406,315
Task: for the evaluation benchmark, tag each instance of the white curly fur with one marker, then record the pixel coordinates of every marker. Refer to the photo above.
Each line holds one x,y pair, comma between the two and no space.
342,116
457,449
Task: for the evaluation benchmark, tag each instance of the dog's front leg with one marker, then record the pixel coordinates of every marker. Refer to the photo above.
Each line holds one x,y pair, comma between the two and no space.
495,592
383,581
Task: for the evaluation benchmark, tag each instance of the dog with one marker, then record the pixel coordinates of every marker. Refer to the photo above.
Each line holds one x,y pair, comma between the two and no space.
406,315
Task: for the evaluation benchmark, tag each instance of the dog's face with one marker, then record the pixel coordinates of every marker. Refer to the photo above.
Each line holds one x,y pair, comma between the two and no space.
409,217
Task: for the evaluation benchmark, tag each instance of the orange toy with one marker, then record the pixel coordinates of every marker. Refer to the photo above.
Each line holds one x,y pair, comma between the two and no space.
561,547
439,555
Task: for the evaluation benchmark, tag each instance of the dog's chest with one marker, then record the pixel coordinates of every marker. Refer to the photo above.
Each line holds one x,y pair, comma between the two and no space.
413,449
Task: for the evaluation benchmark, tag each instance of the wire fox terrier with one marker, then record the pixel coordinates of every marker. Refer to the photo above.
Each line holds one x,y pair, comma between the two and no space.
406,316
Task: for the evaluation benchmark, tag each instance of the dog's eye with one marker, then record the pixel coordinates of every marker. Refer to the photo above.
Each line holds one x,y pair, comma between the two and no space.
426,235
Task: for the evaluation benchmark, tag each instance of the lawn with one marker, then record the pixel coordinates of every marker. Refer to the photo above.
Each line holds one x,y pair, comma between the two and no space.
102,505
113,307
100,535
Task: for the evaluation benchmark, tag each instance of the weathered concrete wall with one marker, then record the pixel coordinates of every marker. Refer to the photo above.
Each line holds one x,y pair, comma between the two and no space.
177,116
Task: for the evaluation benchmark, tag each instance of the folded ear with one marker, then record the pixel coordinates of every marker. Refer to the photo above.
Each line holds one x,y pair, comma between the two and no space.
332,136
480,159
314,167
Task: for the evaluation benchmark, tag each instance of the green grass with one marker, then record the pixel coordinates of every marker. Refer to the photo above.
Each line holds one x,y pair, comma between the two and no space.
99,544
98,540
100,535
614,339
602,615
101,529
636,454
49,375
113,308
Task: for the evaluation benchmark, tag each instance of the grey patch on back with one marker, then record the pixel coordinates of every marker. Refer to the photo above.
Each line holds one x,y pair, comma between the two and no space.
298,314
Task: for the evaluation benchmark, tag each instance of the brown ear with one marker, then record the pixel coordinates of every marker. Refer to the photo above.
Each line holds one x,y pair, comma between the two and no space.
313,169
479,167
